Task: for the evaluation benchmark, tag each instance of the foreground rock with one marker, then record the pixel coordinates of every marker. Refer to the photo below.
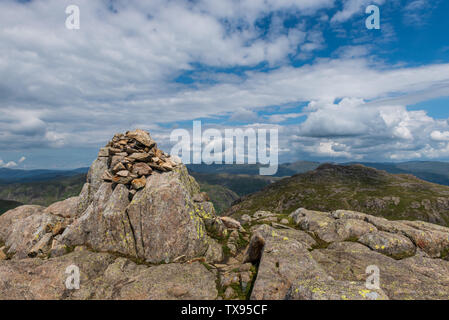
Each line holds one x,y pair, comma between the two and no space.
161,223
104,276
328,257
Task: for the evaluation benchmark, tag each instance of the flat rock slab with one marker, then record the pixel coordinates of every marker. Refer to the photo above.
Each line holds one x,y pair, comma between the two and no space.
104,276
410,256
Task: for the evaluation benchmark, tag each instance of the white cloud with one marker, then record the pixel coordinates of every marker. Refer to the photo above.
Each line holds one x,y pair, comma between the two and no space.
440,136
355,129
353,7
10,164
417,12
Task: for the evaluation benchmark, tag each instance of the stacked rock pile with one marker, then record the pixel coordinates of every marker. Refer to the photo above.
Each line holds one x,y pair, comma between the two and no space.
132,157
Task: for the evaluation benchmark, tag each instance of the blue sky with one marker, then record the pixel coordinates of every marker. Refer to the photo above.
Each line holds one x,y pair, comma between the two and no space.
335,90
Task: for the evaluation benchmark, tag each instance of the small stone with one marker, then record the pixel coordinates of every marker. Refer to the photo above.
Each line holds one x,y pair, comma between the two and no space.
284,221
118,167
2,254
121,154
115,160
155,160
245,218
57,249
263,214
121,180
229,278
139,183
130,150
107,176
58,228
115,150
123,142
230,223
157,167
104,152
159,153
123,173
142,137
245,279
142,169
229,293
167,166
140,157
245,267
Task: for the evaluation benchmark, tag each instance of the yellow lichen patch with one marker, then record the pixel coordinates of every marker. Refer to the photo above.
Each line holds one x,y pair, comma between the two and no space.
363,293
285,238
198,224
318,291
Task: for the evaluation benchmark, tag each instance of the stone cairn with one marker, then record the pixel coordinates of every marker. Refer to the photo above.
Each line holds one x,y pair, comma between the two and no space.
132,157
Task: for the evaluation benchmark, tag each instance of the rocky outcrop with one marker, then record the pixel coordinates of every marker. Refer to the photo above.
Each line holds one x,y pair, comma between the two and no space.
159,224
27,231
140,216
146,206
326,255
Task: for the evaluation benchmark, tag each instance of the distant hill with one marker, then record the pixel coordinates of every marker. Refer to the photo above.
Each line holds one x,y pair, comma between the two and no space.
221,197
43,192
6,205
432,171
8,176
354,187
224,183
284,170
241,184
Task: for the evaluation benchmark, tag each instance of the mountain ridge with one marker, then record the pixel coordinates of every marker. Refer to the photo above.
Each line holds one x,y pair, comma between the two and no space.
355,187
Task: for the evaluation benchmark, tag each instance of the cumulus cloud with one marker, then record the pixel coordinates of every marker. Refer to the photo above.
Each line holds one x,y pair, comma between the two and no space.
440,136
355,129
10,164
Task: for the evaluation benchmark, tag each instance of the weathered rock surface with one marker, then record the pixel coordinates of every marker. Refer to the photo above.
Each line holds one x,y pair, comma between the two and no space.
160,224
332,264
23,228
104,276
68,208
